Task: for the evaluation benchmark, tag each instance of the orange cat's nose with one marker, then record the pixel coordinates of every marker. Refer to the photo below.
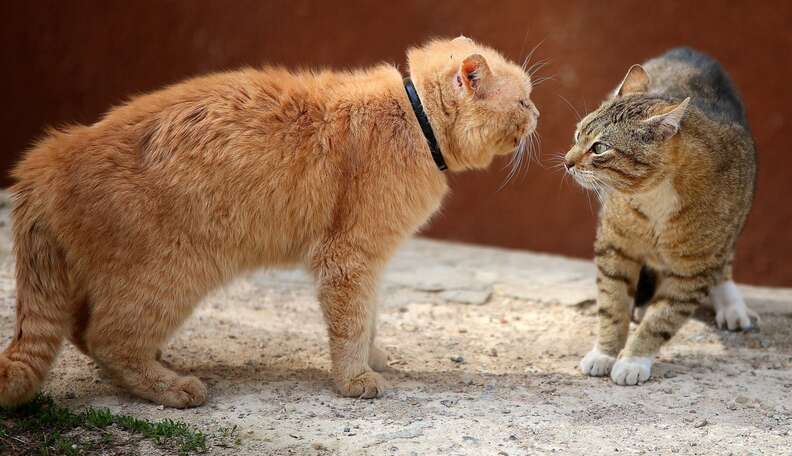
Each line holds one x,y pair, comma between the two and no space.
569,164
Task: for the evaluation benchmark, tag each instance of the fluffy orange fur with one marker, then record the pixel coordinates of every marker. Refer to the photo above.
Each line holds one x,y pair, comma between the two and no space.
123,226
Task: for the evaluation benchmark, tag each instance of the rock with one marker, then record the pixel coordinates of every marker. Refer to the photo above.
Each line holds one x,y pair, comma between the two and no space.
701,423
457,359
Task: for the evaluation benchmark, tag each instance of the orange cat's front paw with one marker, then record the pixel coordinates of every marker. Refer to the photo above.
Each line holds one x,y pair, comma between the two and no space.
367,385
185,392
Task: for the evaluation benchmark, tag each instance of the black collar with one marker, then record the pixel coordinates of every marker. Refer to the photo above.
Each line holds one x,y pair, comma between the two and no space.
423,121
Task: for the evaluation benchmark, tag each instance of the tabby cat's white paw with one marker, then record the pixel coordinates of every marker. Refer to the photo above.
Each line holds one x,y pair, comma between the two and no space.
730,309
597,363
631,370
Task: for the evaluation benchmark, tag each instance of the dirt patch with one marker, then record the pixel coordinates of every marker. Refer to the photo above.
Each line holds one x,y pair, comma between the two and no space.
485,346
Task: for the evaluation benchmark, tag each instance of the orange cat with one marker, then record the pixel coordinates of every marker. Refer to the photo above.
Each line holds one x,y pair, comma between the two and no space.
122,227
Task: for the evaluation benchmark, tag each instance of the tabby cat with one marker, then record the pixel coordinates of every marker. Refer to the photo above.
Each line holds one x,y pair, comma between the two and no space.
121,227
672,158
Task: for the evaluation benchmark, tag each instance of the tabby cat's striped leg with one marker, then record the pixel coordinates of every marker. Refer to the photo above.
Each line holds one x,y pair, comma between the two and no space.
675,301
617,276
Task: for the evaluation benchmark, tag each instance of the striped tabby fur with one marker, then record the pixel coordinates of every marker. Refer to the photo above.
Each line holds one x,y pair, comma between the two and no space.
672,159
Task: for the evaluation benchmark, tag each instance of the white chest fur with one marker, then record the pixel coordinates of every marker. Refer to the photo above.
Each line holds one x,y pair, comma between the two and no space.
658,204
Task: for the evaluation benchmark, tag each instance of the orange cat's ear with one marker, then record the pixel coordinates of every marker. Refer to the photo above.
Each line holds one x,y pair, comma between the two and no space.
473,74
667,123
636,81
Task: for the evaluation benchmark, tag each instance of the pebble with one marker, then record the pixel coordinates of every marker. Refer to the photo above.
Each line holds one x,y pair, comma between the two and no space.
469,439
764,343
701,423
493,352
458,359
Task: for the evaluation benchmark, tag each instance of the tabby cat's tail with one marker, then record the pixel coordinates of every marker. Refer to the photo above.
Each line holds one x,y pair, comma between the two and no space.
42,308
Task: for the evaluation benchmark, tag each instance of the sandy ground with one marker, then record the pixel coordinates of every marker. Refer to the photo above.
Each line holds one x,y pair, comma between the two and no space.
485,346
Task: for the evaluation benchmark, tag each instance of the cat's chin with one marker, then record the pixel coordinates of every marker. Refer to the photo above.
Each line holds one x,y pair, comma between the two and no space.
584,183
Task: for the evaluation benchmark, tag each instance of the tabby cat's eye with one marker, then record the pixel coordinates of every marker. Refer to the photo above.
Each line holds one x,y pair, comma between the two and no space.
599,148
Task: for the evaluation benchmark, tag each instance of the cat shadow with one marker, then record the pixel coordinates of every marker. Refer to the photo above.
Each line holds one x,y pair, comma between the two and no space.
255,376
767,331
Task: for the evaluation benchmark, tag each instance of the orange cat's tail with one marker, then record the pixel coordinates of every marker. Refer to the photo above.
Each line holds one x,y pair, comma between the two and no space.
42,309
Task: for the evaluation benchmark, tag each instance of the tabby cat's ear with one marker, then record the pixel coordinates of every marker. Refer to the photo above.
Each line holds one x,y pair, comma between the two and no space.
473,74
667,124
636,81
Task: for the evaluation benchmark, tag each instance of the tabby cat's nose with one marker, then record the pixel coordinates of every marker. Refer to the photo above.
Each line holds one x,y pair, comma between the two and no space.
569,164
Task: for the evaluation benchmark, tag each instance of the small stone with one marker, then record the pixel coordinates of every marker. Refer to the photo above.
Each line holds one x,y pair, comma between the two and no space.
346,429
469,439
160,407
669,374
457,359
493,352
764,343
701,423
742,399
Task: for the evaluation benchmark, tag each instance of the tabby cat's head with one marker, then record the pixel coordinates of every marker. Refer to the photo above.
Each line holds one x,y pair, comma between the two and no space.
479,103
625,145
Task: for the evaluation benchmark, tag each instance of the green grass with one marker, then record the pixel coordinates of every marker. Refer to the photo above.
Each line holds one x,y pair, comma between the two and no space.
43,427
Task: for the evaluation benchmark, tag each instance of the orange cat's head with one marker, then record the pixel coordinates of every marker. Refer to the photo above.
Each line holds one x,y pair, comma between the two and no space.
478,102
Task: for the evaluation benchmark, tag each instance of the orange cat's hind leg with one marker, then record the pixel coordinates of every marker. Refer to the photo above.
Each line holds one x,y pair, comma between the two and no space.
128,347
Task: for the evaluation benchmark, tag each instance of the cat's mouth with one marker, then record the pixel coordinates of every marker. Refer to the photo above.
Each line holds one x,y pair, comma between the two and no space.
589,180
